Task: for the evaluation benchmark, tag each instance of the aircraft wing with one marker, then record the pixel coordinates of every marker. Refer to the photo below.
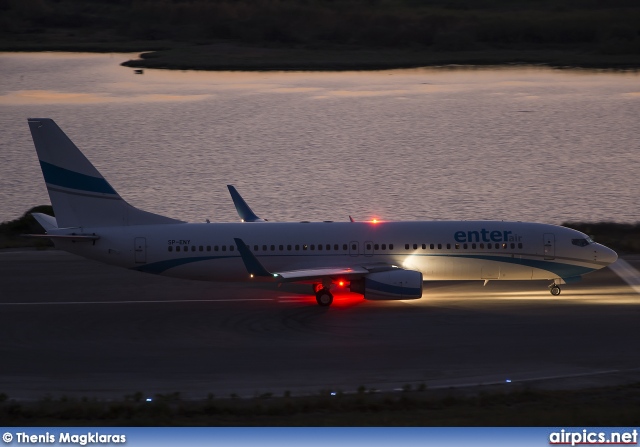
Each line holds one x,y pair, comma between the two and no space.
324,272
255,268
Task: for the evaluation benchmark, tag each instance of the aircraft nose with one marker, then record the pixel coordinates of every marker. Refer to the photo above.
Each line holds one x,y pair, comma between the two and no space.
605,254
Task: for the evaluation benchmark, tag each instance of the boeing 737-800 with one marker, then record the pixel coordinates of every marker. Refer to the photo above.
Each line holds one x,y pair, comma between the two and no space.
380,260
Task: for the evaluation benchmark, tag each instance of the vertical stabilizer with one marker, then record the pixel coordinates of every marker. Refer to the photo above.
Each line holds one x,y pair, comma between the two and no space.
80,195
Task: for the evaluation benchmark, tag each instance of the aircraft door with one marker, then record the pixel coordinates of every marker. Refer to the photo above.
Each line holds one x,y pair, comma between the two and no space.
353,248
368,248
549,246
140,249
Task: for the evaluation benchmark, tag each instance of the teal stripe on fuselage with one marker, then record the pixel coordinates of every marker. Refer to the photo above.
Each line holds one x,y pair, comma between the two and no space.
65,178
162,266
560,269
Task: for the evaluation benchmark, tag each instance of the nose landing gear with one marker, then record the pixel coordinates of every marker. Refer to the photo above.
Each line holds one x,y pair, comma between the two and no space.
554,289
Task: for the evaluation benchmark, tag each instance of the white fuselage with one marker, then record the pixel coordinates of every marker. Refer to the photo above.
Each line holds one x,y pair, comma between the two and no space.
440,250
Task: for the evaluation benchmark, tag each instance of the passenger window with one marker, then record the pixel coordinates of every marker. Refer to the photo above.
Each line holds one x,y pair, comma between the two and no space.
297,247
481,246
255,248
354,247
513,245
424,246
232,247
208,247
465,246
431,246
281,247
224,248
519,244
415,246
406,246
335,247
368,246
193,248
313,247
504,246
319,246
170,248
384,246
201,248
473,246
344,247
273,248
448,246
177,248
328,247
376,246
264,248
457,246
215,248
439,246
288,247
390,246
305,246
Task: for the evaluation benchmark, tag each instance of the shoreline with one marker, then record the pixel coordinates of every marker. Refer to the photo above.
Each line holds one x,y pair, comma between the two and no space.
234,57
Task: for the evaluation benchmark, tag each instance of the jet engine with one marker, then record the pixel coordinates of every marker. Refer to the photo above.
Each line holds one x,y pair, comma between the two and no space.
394,284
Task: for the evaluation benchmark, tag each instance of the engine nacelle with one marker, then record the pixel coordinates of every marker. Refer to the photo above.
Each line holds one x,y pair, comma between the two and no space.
395,284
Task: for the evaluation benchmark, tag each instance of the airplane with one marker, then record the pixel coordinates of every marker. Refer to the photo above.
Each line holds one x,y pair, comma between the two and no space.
381,260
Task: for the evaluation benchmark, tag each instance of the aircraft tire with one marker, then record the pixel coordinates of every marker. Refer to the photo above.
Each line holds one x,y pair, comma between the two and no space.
324,298
555,290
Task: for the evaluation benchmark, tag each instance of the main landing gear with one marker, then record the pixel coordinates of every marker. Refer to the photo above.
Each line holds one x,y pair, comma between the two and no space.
554,289
324,297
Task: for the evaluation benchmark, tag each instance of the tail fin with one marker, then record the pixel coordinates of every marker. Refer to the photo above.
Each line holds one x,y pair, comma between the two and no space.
80,195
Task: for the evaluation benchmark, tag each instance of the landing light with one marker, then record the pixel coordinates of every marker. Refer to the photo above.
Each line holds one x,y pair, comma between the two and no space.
341,283
251,275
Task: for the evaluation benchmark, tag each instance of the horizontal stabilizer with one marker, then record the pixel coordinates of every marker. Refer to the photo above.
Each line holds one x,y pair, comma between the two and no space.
66,237
47,222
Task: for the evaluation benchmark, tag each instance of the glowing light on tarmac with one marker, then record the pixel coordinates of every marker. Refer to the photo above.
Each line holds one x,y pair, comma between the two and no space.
628,274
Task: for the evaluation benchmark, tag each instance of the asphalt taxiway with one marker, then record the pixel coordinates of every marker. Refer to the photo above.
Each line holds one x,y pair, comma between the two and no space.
74,327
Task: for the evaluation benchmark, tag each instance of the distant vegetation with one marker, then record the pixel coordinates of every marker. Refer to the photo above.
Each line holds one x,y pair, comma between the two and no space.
11,231
593,31
518,406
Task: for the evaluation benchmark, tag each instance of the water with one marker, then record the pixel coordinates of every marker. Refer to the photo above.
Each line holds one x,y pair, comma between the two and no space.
531,143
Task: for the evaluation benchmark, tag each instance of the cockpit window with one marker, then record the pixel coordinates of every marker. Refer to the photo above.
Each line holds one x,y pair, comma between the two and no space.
582,242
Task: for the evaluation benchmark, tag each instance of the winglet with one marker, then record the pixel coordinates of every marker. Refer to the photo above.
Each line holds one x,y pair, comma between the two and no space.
245,212
254,267
351,219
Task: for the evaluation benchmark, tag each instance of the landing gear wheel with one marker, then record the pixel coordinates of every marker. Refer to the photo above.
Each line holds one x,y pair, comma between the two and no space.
555,290
324,298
